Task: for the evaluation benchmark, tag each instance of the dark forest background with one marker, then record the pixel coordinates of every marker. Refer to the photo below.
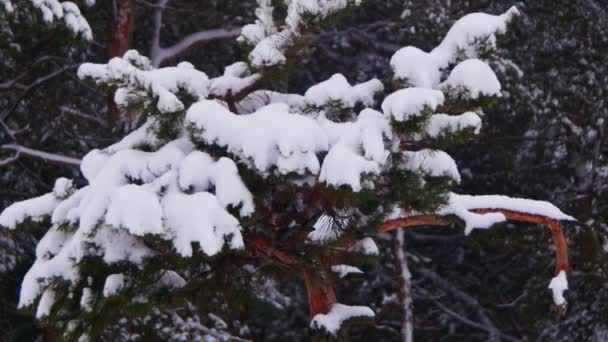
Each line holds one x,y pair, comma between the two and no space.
546,139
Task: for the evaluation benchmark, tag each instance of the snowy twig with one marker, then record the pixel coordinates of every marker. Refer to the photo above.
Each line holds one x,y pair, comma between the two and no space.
51,157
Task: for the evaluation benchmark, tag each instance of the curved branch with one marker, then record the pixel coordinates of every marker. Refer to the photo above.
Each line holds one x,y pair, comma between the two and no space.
561,246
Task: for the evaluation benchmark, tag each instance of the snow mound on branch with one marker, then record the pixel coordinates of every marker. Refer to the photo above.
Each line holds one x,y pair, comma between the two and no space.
200,218
433,163
262,98
365,246
336,89
113,284
199,172
337,315
464,40
37,208
558,285
469,30
270,137
472,79
462,206
416,67
162,84
408,103
439,124
356,148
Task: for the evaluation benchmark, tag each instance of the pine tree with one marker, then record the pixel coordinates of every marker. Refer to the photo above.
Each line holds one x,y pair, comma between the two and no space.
232,180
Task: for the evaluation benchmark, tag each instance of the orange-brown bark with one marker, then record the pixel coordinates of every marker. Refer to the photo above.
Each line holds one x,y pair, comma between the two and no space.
119,38
561,246
320,296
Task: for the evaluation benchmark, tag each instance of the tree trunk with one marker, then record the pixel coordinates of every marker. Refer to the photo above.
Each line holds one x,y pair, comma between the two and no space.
120,34
405,290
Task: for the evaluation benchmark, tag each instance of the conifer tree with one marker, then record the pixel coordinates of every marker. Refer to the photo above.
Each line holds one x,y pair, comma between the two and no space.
232,180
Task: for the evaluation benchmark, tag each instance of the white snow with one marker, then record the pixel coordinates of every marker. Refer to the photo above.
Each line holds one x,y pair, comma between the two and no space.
114,283
161,84
272,44
423,69
200,218
135,209
171,280
338,314
52,10
199,172
411,102
416,67
324,231
345,270
460,205
433,163
468,30
37,208
439,124
336,89
86,301
46,304
558,285
270,137
472,79
365,246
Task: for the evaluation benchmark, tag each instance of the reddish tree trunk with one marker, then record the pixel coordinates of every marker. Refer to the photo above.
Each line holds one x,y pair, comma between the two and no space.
320,296
120,34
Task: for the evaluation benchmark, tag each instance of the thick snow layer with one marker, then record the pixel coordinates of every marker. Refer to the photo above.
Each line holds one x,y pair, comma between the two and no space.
336,89
421,69
472,220
135,209
411,102
416,67
461,206
433,163
200,218
162,84
231,85
338,314
439,124
270,137
262,98
472,79
469,30
199,172
37,208
345,270
523,205
558,285
356,148
114,283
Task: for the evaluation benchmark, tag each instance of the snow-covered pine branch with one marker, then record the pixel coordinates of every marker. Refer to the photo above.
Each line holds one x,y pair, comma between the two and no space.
52,11
211,175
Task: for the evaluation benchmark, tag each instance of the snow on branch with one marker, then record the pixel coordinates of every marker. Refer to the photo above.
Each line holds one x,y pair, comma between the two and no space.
485,211
52,10
51,157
